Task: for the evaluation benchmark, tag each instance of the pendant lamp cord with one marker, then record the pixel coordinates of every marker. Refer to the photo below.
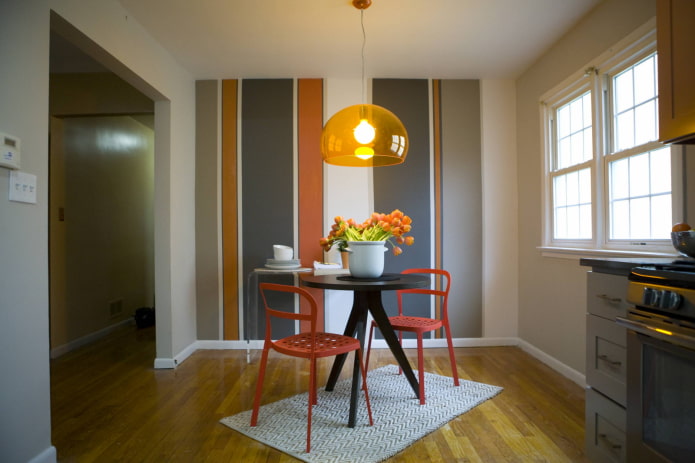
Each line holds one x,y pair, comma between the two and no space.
364,44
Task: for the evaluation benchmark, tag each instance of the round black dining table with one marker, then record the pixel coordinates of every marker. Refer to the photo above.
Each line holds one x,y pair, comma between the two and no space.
367,299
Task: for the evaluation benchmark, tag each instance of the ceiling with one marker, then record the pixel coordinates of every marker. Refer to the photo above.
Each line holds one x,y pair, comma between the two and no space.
491,39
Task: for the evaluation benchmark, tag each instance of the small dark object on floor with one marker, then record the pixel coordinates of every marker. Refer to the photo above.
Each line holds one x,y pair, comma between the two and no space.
144,317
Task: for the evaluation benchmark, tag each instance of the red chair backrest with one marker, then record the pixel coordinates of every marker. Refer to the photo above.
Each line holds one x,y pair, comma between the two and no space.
445,282
286,314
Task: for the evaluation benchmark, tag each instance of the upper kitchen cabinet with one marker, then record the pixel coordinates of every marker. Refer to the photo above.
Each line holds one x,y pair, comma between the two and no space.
676,48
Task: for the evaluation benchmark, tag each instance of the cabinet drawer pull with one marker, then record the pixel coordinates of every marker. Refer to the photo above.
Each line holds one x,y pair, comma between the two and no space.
611,444
607,359
607,298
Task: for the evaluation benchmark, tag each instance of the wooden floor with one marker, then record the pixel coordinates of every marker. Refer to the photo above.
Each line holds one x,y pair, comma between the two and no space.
109,404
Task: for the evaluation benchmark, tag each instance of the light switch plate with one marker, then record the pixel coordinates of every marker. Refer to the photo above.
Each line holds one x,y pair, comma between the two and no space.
22,187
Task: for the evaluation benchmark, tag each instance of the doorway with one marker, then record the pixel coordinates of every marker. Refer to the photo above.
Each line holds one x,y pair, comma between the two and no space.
101,195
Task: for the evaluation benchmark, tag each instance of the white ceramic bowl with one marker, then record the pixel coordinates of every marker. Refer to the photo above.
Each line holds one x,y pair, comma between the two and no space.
281,252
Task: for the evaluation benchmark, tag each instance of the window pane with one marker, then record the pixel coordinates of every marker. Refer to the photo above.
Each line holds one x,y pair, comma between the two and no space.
588,145
635,105
645,80
561,223
577,141
586,104
574,132
563,122
572,205
620,219
620,186
560,191
645,122
660,162
624,131
564,153
572,188
640,223
585,186
639,175
640,196
623,91
585,221
661,216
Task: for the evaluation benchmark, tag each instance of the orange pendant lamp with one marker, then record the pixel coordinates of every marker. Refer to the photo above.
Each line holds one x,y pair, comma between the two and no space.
364,135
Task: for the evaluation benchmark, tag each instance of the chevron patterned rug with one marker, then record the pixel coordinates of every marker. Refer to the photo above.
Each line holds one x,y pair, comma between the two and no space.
399,419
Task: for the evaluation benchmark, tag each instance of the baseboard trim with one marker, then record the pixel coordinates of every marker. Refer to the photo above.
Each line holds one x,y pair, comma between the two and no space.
530,349
49,455
169,363
88,339
554,363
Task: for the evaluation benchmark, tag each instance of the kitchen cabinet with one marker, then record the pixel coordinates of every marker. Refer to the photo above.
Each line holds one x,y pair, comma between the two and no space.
605,367
676,58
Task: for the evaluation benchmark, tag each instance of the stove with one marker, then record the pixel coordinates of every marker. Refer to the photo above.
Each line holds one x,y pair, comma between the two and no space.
661,362
664,289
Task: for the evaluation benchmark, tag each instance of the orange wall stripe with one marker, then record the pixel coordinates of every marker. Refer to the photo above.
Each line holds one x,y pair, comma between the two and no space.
230,251
310,178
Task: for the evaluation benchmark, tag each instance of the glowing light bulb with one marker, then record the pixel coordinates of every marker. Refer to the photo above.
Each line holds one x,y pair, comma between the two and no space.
364,132
364,152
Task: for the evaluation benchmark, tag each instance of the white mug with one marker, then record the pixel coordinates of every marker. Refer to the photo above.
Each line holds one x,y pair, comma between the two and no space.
281,252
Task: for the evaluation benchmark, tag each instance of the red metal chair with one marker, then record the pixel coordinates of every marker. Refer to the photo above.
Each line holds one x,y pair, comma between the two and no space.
421,325
310,345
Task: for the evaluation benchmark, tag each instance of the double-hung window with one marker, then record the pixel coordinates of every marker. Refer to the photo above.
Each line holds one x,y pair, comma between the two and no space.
610,185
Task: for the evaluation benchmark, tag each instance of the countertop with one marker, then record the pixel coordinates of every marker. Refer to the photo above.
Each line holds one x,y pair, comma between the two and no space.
623,265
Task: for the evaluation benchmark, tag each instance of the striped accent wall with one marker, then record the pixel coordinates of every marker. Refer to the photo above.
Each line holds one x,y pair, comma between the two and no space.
274,186
439,187
281,188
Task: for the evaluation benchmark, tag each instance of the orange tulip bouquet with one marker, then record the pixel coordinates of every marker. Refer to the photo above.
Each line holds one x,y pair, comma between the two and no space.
379,227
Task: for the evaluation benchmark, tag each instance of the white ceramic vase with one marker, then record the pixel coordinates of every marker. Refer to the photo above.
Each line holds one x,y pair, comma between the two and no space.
366,258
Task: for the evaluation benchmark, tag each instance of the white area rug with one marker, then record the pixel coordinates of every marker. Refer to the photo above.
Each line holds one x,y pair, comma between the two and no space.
399,419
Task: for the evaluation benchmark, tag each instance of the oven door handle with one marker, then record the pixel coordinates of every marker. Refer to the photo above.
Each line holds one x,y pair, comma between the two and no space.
658,333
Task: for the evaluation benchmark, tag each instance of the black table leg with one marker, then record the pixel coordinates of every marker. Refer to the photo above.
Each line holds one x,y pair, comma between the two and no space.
381,319
355,327
358,307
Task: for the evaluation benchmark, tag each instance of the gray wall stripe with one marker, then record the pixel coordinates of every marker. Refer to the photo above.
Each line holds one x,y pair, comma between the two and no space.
407,186
267,141
462,203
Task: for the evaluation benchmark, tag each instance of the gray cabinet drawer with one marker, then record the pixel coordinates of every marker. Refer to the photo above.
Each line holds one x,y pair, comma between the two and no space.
605,295
605,429
606,357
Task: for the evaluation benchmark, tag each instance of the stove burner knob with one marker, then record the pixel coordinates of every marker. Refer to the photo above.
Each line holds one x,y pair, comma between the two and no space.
661,299
671,300
649,297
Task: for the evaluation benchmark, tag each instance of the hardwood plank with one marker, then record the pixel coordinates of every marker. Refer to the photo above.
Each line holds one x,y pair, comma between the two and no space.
109,404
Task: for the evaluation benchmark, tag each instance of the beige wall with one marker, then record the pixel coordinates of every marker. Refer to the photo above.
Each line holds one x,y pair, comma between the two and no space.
552,300
25,433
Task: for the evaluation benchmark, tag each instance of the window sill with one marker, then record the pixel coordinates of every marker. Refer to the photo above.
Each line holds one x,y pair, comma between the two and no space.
578,253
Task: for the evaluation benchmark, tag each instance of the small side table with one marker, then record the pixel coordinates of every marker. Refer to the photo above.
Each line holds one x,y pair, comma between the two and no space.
251,309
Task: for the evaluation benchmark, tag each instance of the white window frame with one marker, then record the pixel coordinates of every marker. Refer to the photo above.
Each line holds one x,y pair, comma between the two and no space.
633,48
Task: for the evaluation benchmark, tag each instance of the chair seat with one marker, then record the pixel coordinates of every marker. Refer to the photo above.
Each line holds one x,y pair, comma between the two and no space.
414,324
325,344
